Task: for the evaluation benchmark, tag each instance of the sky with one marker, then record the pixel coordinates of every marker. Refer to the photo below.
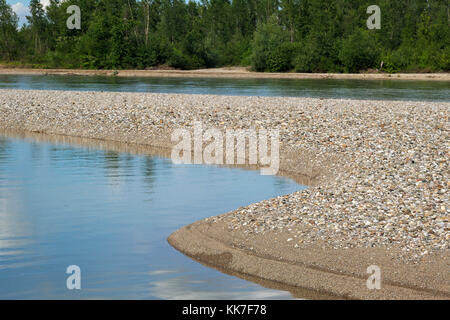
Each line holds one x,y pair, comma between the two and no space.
20,7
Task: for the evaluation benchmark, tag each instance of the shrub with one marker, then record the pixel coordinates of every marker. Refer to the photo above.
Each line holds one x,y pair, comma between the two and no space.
266,52
398,60
178,60
280,59
359,52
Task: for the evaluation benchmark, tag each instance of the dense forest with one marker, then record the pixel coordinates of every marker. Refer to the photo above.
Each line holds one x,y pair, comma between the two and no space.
269,35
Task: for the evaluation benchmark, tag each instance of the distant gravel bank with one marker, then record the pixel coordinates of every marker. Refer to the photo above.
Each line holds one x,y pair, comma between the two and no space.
234,72
378,172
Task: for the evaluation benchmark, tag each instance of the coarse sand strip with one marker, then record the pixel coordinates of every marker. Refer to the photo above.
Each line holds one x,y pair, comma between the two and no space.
377,170
328,271
230,73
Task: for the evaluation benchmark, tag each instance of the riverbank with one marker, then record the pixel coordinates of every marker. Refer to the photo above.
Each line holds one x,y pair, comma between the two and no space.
235,72
378,172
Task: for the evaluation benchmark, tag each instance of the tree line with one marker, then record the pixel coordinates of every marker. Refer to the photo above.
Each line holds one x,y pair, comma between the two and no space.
268,35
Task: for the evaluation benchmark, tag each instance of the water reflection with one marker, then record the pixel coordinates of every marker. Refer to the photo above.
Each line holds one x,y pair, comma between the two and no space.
110,212
15,230
148,171
4,145
182,288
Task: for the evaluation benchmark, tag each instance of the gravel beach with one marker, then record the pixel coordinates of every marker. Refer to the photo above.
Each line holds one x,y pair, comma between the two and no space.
377,170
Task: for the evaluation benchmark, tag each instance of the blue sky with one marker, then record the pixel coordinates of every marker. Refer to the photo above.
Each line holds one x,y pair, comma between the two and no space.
20,7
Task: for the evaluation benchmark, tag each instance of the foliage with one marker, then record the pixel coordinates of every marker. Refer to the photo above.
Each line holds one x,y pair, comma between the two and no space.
269,35
267,53
359,52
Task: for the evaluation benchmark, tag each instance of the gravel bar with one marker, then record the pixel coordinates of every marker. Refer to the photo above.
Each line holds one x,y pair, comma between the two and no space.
378,170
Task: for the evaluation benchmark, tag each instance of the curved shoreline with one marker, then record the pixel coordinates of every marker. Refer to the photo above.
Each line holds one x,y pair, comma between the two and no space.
227,73
365,157
195,241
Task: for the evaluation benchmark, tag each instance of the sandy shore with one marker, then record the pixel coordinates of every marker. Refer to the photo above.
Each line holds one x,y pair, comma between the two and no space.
378,172
235,72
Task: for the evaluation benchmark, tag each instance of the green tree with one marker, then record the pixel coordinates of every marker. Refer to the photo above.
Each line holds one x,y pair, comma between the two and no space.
8,32
38,24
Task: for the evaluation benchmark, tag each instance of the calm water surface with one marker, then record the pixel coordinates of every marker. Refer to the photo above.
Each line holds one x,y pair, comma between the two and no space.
110,213
316,88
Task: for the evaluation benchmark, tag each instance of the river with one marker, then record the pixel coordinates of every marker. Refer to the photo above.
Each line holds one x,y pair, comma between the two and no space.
314,88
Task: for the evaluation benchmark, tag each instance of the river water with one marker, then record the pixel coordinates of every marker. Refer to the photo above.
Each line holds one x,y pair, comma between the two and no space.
110,213
315,88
